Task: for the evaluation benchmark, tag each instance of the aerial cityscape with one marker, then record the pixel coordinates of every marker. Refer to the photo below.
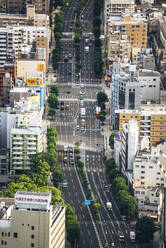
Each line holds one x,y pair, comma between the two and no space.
82,123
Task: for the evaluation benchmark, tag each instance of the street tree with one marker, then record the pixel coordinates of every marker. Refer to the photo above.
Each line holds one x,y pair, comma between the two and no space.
102,97
144,230
120,183
58,176
95,207
52,112
73,232
53,101
111,140
55,90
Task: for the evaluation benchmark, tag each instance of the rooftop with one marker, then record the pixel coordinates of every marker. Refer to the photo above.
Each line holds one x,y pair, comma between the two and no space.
148,73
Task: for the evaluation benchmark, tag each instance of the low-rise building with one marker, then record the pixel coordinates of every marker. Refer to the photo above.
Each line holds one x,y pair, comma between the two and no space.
149,201
150,86
149,169
29,220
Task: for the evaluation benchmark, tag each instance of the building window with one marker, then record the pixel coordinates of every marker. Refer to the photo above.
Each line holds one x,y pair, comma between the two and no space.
8,234
2,234
32,228
15,235
32,236
32,245
142,172
2,242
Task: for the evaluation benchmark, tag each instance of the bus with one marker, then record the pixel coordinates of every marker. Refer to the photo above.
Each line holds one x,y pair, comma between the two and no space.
82,112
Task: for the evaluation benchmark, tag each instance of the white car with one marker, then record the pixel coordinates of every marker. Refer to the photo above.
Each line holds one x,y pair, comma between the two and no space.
82,103
82,86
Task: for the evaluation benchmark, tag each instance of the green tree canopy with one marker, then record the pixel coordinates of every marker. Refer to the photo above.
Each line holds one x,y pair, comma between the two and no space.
120,183
144,230
111,140
58,176
55,90
102,97
53,101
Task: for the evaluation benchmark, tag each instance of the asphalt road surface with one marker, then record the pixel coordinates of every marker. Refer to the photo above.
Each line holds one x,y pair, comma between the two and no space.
71,126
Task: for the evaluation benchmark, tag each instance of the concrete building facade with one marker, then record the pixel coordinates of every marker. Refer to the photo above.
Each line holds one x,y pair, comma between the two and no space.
31,221
125,90
150,86
23,142
151,122
129,145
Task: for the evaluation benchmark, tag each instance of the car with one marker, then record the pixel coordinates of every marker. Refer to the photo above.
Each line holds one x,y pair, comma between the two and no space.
78,127
66,58
124,218
82,129
82,103
67,106
65,163
82,17
62,107
62,114
62,103
70,55
69,72
65,159
65,148
112,245
82,92
71,27
82,86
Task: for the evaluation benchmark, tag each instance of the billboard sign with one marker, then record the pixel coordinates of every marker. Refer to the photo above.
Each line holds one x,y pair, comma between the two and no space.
34,79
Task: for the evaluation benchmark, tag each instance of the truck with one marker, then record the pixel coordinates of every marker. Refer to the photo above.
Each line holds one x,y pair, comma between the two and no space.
109,205
132,236
87,49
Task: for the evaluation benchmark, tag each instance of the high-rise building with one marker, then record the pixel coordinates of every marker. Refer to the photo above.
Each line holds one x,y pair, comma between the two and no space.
125,90
129,145
151,121
23,142
31,221
6,46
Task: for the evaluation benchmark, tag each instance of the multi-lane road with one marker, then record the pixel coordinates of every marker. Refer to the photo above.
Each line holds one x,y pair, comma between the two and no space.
71,126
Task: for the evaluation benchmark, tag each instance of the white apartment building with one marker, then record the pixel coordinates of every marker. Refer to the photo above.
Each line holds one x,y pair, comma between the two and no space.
19,115
129,145
149,169
23,142
150,85
31,221
149,201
